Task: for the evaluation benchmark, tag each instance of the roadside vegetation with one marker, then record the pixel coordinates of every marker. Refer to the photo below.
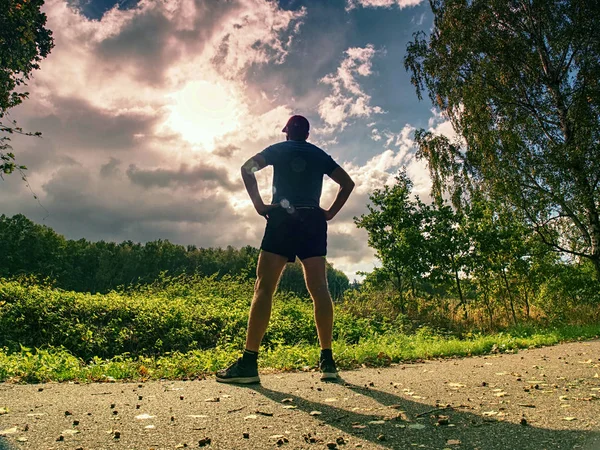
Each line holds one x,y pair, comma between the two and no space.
189,326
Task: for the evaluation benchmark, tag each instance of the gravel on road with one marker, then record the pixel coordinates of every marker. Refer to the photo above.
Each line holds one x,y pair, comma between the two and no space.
543,398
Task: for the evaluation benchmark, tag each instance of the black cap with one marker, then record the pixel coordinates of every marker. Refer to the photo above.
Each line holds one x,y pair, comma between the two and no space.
296,125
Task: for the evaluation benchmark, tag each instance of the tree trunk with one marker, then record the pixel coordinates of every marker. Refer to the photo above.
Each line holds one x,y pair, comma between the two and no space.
400,289
595,238
459,289
510,297
488,306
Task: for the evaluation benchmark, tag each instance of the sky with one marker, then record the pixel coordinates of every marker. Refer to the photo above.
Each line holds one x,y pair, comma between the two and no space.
149,108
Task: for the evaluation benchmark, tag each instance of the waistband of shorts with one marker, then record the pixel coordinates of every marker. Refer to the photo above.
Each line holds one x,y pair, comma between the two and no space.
307,207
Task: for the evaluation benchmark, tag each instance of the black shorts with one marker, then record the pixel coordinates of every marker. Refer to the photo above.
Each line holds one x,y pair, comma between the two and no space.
302,233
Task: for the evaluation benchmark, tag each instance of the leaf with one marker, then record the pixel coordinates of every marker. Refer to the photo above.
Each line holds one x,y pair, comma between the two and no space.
251,417
70,432
9,431
417,426
569,419
453,442
144,417
315,413
456,385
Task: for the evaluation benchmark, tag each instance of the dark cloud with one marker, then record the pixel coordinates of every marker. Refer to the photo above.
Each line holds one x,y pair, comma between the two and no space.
151,42
110,168
353,247
97,209
143,46
185,176
226,151
81,125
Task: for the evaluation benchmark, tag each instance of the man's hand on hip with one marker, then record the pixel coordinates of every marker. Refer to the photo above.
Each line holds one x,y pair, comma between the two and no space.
264,210
328,215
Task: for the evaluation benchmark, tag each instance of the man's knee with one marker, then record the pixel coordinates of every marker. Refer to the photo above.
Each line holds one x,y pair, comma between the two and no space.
263,286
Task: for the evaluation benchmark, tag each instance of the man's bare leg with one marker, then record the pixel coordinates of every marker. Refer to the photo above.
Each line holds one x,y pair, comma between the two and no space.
315,275
269,269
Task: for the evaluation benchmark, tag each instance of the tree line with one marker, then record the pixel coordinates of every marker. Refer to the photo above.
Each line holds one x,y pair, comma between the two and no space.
98,267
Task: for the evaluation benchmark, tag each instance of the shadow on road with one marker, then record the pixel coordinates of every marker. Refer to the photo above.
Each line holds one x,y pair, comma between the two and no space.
409,424
5,445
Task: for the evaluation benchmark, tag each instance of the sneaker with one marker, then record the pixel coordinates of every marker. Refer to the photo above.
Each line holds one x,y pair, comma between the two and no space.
239,372
328,370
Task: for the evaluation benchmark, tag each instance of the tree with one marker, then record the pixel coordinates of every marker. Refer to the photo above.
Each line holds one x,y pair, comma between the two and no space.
448,247
24,42
519,81
395,224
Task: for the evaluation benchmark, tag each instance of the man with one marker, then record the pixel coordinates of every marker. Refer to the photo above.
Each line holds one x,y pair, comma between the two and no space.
296,226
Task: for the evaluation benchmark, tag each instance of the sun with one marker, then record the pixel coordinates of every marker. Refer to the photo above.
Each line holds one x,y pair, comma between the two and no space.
203,111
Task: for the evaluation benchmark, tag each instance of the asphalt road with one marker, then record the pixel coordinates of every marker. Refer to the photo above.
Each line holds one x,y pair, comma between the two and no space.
546,398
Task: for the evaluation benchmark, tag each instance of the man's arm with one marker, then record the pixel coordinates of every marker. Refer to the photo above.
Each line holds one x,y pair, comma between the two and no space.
254,164
341,177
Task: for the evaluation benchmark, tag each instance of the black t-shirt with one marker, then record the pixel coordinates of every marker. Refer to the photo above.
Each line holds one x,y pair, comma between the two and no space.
298,169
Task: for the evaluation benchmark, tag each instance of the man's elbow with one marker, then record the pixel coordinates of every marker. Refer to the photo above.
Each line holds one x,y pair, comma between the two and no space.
249,168
349,185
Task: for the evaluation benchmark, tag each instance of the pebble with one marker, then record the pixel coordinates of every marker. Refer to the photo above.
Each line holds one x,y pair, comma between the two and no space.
204,442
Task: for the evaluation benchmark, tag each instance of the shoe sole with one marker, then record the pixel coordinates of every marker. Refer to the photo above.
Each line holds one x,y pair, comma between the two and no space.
239,380
329,376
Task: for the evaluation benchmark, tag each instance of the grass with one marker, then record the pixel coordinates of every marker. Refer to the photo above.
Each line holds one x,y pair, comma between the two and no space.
58,364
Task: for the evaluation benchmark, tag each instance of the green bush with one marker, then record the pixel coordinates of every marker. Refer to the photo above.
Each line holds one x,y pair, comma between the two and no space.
179,314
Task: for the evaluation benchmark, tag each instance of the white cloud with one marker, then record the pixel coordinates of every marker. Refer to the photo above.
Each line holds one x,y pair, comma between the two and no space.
439,124
351,4
347,99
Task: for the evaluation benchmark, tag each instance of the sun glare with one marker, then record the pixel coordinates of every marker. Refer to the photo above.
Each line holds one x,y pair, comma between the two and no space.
203,111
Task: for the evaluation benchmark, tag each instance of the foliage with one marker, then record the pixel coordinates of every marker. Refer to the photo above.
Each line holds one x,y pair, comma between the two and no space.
518,80
174,314
24,42
483,259
31,249
394,224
